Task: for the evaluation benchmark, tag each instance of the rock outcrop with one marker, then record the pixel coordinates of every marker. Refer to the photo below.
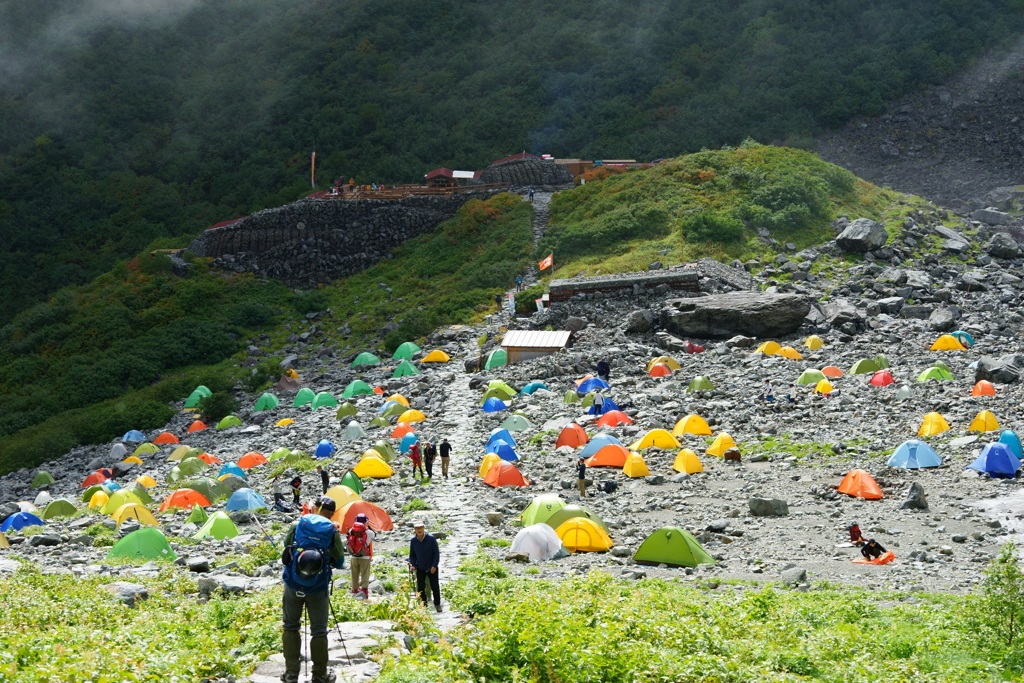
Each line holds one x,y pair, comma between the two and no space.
726,315
526,172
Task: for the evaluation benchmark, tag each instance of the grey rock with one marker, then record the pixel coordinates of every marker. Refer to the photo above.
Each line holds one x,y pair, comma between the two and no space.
726,315
495,518
198,564
891,305
8,509
916,499
126,592
862,235
793,576
657,265
638,322
1002,245
941,320
518,556
768,507
228,584
621,551
841,312
1004,370
916,312
991,216
718,525
575,324
656,479
44,540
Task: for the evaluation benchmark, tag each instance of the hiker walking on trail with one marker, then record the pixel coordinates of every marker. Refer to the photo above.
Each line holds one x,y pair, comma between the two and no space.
497,301
768,393
325,479
313,547
603,369
519,283
581,477
446,455
429,454
424,557
531,194
417,461
360,547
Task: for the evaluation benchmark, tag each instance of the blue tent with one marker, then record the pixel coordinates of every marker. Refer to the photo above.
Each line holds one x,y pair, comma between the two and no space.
914,454
503,434
592,384
324,449
996,460
597,443
407,441
1010,438
494,405
387,405
134,435
532,387
20,520
245,499
232,468
111,485
963,338
503,449
607,406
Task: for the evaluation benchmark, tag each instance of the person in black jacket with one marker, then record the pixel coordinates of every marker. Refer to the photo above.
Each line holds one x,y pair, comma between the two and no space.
296,485
446,455
603,369
429,455
325,479
872,550
424,557
581,476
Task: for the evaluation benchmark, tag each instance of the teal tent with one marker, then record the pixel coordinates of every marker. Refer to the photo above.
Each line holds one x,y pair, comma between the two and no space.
305,395
266,402
365,359
405,369
406,351
496,358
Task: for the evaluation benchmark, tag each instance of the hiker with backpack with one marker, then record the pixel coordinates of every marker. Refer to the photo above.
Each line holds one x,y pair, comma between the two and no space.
429,455
417,461
360,546
313,548
424,557
446,456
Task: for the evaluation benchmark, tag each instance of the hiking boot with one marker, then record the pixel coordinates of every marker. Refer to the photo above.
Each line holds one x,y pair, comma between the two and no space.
438,608
329,677
289,678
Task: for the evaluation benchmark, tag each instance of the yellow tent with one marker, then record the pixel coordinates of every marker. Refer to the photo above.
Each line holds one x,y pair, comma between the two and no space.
147,481
412,416
399,398
814,342
98,500
119,498
132,458
373,468
146,448
342,495
139,512
489,461
667,360
4,543
436,356
823,387
285,422
178,453
692,424
768,348
947,342
722,443
790,353
984,421
291,374
635,466
687,462
582,534
659,438
373,453
932,424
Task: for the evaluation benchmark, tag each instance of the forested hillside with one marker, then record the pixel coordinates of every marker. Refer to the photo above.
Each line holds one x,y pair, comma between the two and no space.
129,123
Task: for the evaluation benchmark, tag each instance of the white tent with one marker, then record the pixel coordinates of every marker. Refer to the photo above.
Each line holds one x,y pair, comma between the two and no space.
118,451
354,431
42,500
540,541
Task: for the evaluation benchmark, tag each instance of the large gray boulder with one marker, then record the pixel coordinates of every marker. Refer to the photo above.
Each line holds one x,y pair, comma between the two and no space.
840,312
991,216
862,235
722,316
942,320
1004,370
1002,245
638,322
916,500
768,507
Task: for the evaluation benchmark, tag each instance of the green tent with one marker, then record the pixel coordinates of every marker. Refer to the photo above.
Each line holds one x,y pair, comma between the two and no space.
587,400
406,351
810,377
233,482
365,359
87,495
324,400
266,402
295,457
346,409
569,512
140,492
864,366
386,450
229,421
672,546
210,488
42,478
146,544
198,515
496,358
352,481
278,454
940,364
379,421
498,393
934,373
882,362
117,499
501,384
541,508
218,526
302,397
516,422
197,395
405,369
192,453
186,468
394,410
571,397
145,448
355,388
700,383
59,508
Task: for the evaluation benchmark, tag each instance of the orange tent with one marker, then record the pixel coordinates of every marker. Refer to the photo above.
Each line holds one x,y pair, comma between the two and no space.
378,390
504,474
572,436
209,459
983,388
832,371
401,430
97,477
346,516
581,380
614,418
196,426
166,437
860,484
611,455
251,459
660,370
184,499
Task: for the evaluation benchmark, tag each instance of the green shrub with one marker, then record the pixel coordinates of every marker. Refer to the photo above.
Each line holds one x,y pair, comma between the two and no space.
1002,600
494,543
217,406
260,376
416,504
312,301
526,299
709,226
250,314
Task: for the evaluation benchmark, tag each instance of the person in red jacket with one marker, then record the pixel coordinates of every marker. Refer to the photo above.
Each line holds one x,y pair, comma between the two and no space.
417,459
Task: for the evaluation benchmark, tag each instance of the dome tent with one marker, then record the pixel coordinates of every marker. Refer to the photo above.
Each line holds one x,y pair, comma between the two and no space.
914,454
516,423
572,435
406,351
635,466
266,402
436,356
673,546
599,442
687,462
699,383
356,387
218,526
860,484
810,376
146,544
405,369
346,409
302,397
721,444
245,499
614,418
1010,438
323,400
583,535
984,421
351,480
611,455
365,358
540,542
541,508
692,424
655,438
42,478
996,460
932,424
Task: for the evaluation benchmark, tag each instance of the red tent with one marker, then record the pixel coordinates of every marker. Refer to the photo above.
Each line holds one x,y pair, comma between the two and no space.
166,437
693,348
573,435
346,516
97,477
860,484
401,430
882,378
983,388
504,474
184,499
209,459
660,370
614,418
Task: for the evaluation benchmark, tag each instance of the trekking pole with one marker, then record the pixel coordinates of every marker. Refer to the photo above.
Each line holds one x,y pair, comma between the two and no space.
257,520
302,640
337,624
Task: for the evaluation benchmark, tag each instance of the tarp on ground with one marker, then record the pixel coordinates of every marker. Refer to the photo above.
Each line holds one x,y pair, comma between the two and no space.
143,544
245,499
582,535
996,460
860,484
540,542
406,351
541,508
356,387
913,455
218,526
673,546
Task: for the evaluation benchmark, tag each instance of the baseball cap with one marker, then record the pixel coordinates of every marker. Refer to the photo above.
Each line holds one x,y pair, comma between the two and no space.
326,503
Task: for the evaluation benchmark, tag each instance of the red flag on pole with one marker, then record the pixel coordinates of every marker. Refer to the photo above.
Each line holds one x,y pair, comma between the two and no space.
546,263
